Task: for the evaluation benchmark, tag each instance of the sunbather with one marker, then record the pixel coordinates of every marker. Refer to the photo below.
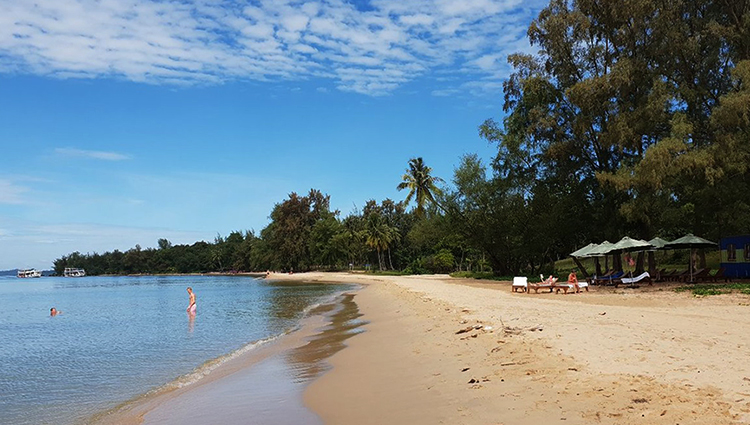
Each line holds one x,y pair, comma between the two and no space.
573,280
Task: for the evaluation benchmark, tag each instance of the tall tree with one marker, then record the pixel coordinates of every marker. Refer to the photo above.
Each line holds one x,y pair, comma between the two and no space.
421,184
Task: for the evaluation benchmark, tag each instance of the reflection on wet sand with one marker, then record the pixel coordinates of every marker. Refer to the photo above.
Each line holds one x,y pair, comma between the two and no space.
307,361
269,391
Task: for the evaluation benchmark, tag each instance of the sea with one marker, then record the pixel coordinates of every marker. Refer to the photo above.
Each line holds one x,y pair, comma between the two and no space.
118,338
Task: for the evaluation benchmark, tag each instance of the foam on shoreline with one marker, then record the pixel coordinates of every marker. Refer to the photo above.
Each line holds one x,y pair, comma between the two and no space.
318,317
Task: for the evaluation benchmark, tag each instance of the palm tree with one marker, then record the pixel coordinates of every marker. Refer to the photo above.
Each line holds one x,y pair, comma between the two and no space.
420,183
379,236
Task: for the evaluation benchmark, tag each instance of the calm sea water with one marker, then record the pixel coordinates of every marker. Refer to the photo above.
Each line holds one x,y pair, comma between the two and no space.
119,337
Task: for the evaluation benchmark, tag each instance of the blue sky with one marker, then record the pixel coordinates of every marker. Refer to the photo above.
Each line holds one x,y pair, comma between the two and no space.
126,121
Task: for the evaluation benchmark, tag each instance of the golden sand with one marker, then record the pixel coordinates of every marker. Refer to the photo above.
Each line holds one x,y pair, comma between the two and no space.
613,357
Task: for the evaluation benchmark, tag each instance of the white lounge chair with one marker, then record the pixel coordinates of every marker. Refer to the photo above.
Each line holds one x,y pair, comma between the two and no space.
520,282
631,280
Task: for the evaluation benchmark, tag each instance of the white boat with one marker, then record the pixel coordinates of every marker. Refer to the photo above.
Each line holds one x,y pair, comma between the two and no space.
25,273
73,272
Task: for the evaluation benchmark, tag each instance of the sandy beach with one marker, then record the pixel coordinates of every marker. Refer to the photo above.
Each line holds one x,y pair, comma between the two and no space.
608,356
438,350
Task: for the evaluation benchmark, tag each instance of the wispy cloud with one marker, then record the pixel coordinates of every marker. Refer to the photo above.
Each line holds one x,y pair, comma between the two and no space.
37,245
101,155
371,50
11,193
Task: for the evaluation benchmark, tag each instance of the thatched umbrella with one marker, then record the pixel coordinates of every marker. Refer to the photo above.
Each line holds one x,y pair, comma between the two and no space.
690,242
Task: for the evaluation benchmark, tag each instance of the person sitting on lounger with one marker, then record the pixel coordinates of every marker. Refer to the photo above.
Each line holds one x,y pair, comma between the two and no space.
573,280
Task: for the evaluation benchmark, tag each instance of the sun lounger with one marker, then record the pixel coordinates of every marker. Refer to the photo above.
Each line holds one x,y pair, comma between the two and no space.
520,282
593,279
611,279
703,275
542,285
680,276
564,286
672,276
720,275
643,277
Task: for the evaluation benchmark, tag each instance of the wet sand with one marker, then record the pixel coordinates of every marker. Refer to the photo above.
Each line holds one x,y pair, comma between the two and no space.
261,386
607,356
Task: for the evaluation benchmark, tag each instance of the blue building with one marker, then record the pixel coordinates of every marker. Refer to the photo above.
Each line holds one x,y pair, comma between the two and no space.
735,256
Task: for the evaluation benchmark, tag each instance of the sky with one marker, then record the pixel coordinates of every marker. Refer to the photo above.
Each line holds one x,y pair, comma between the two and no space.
126,121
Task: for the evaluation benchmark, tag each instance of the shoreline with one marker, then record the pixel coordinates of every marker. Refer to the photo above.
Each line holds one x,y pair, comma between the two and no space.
321,328
607,356
599,357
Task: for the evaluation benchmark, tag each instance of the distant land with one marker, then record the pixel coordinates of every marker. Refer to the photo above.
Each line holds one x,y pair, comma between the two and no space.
14,272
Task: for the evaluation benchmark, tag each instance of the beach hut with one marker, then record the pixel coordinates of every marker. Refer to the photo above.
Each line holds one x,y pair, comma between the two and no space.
691,242
735,256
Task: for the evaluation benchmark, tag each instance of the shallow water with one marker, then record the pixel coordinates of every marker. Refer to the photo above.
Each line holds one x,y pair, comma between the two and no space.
269,392
119,337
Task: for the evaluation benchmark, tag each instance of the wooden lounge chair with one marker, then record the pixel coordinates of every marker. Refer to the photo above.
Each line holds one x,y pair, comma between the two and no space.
667,276
720,275
520,282
678,276
703,276
584,284
544,284
685,277
564,286
659,277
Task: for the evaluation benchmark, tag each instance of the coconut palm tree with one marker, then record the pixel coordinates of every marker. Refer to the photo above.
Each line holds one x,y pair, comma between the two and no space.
380,236
420,183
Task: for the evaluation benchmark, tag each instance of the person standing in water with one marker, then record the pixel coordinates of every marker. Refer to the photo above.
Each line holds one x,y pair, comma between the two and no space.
191,307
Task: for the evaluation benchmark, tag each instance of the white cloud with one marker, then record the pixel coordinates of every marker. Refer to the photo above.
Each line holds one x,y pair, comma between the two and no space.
101,155
11,193
208,42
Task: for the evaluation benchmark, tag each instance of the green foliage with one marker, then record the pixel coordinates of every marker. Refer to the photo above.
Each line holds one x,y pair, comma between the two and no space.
715,289
631,120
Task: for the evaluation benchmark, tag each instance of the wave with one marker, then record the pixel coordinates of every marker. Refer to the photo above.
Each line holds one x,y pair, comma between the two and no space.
206,368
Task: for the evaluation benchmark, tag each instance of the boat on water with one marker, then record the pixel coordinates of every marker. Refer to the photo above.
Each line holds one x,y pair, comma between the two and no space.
26,273
73,272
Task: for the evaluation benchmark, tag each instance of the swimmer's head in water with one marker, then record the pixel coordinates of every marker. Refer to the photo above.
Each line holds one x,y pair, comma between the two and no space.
52,311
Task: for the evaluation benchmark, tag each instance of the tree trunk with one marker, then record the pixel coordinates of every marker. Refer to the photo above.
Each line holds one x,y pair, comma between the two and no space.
389,258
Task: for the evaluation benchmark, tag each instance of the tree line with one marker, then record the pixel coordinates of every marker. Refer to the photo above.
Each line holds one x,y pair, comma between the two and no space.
626,121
